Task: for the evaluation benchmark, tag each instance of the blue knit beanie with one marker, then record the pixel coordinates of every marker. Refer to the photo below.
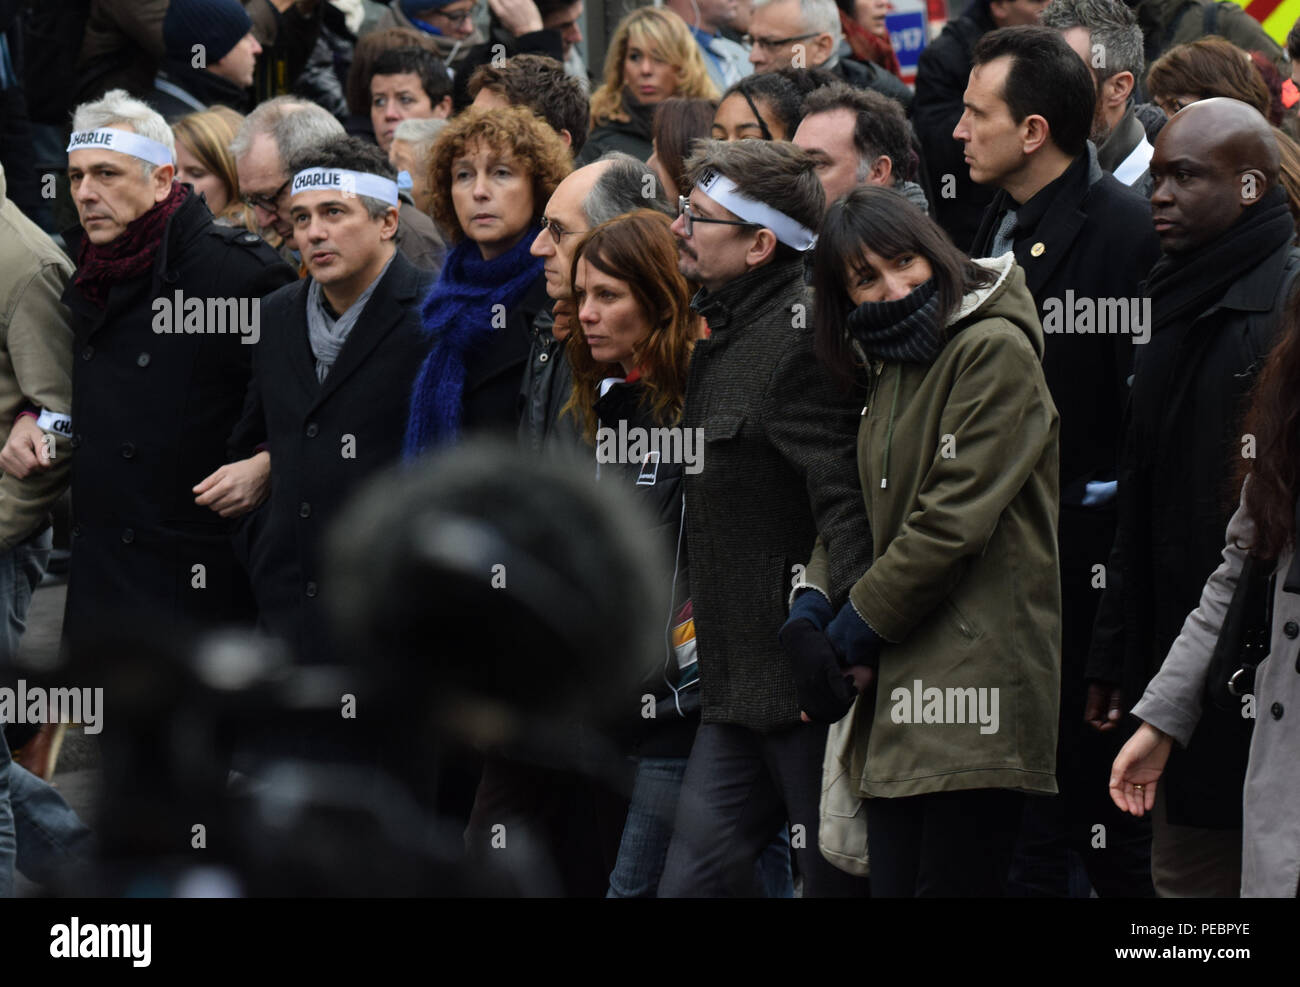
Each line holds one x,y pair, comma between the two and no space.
218,25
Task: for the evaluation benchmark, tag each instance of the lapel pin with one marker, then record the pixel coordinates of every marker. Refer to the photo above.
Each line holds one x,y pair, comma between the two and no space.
1037,249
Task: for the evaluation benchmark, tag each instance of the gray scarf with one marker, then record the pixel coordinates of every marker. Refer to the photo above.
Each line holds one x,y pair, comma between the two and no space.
326,333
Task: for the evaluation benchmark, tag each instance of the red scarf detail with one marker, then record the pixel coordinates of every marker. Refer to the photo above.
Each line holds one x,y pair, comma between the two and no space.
132,254
868,47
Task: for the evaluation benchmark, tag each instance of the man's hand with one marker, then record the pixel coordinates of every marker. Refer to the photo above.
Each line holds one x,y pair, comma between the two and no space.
1138,767
517,16
25,451
1104,706
236,488
862,675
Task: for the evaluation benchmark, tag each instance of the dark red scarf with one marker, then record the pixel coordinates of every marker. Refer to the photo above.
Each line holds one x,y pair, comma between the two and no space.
130,255
868,47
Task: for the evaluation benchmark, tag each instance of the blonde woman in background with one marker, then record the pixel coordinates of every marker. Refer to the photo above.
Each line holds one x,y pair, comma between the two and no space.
203,159
652,57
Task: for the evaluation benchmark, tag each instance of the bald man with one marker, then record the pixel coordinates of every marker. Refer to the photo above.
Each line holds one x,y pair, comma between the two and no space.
1216,302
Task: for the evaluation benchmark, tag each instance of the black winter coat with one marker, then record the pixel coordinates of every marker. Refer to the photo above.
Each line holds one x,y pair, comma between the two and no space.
325,439
866,75
151,416
548,382
941,77
780,468
657,484
1182,445
494,373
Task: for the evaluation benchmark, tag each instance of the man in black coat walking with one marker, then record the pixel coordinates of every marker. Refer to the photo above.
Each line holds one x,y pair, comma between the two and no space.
942,73
331,382
1085,242
1217,302
779,469
163,304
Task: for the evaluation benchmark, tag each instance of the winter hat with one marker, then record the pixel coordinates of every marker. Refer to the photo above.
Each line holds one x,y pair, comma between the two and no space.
218,25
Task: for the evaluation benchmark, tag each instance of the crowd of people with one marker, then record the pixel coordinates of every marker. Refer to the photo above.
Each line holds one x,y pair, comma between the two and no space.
956,425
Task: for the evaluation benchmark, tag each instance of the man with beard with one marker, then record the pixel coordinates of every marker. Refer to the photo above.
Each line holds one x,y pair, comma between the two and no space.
1104,33
1217,297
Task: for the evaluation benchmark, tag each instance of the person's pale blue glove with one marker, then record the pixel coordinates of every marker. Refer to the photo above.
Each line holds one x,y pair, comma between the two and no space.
852,637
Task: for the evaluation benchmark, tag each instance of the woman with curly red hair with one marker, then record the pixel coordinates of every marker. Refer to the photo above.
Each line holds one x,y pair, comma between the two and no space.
491,175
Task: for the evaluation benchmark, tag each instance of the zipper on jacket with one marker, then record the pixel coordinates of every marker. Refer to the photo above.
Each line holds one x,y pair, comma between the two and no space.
875,385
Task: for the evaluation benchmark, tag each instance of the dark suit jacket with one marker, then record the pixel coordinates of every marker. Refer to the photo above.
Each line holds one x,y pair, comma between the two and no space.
325,439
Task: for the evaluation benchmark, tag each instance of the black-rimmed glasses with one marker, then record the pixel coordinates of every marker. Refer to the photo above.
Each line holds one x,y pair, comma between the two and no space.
684,210
271,203
775,44
556,230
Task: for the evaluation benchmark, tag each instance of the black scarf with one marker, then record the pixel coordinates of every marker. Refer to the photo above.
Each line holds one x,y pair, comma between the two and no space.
639,114
905,330
1187,284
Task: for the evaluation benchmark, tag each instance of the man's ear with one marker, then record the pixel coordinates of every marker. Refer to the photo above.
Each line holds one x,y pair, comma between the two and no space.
388,224
1036,133
1252,188
1116,90
161,178
823,47
761,248
443,110
566,137
882,171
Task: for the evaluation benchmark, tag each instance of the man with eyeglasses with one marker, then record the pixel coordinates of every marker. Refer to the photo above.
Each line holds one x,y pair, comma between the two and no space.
779,471
806,34
607,188
551,28
276,132
450,23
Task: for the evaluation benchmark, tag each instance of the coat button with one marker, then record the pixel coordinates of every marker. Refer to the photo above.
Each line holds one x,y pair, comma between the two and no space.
76,531
87,352
1291,629
128,536
310,589
313,430
128,450
1276,710
142,360
543,357
76,441
304,509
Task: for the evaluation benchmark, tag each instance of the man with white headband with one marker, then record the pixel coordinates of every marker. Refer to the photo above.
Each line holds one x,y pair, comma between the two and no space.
779,471
160,366
329,397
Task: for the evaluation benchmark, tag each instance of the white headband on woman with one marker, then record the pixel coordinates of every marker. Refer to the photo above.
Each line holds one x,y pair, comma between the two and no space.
136,145
348,182
723,191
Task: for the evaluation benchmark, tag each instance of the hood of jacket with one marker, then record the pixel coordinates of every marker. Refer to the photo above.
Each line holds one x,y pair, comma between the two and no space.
1007,298
449,49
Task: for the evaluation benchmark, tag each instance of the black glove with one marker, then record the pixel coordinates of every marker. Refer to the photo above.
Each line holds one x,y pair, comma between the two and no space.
825,694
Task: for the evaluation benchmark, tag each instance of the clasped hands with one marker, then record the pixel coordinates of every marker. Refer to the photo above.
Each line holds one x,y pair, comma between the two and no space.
833,656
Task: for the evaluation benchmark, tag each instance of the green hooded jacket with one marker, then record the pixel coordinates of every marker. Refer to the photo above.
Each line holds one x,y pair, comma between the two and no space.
959,470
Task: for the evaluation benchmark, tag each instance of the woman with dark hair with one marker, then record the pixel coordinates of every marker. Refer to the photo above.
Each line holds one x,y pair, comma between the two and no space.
1261,568
1202,69
630,352
758,107
678,123
957,621
491,176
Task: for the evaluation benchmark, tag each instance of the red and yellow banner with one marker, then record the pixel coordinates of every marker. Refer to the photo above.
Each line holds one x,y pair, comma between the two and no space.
1277,16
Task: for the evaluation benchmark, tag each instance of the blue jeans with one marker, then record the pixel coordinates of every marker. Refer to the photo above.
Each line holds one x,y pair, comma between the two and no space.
39,832
649,829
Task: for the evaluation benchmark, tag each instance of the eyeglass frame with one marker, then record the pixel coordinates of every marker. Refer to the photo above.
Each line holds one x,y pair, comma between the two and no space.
460,17
775,43
260,201
550,226
684,211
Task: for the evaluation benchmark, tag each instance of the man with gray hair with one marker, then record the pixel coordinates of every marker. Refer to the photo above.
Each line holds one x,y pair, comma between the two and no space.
611,186
780,474
1105,34
410,153
162,304
276,132
806,34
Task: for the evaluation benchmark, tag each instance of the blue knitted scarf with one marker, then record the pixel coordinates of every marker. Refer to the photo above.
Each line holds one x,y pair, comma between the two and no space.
458,314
